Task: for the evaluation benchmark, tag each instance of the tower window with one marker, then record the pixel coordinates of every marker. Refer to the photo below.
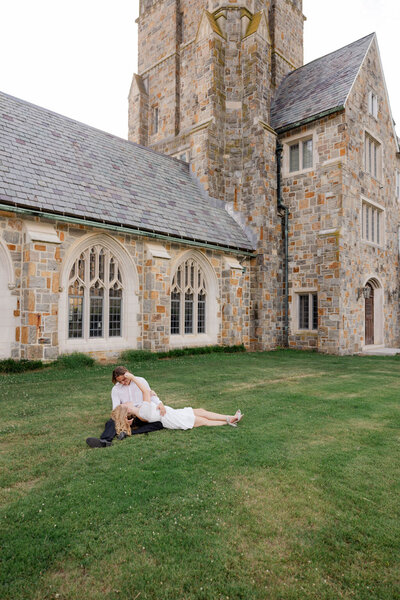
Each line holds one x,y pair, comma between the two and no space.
155,119
372,223
372,156
373,104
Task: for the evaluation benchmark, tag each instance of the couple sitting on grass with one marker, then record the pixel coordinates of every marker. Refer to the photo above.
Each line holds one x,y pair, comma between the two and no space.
137,409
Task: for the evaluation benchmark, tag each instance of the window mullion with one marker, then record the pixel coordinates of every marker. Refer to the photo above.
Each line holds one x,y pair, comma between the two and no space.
106,304
86,296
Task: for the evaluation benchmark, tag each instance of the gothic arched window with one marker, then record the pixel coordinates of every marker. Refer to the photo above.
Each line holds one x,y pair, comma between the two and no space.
95,291
188,299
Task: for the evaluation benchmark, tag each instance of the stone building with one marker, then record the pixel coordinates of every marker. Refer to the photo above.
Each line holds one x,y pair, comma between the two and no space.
261,206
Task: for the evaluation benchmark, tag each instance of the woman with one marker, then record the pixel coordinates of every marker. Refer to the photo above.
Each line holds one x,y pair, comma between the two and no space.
171,418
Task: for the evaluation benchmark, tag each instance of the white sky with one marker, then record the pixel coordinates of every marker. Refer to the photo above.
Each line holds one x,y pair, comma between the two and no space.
77,57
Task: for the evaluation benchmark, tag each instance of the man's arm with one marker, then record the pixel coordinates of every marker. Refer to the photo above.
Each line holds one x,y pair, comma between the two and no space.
145,391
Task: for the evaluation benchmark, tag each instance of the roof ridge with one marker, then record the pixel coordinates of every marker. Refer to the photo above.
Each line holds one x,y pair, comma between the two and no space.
370,35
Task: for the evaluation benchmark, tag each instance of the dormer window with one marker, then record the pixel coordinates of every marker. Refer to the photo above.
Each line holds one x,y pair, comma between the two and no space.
373,104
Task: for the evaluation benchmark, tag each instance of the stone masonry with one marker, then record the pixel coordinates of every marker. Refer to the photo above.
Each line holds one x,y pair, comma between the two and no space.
39,292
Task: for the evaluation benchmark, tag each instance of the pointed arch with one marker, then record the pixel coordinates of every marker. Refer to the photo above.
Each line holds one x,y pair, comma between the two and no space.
194,301
98,301
373,312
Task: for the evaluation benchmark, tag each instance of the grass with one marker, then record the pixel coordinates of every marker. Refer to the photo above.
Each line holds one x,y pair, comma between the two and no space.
299,502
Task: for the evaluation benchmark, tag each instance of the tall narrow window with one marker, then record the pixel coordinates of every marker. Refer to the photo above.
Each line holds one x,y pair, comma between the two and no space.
373,104
372,223
372,156
188,299
308,311
95,295
155,119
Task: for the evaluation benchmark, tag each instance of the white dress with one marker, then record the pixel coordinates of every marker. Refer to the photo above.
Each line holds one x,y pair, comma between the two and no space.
174,418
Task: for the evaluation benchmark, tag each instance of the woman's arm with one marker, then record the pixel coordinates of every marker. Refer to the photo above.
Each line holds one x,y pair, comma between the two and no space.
142,388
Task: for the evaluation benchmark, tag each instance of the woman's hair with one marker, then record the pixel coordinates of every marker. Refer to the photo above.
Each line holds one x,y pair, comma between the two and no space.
117,372
119,416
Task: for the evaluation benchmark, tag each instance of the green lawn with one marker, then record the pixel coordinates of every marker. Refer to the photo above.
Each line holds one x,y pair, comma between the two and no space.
300,501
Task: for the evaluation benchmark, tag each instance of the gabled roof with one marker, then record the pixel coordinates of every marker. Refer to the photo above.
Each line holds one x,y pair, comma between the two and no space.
318,88
56,165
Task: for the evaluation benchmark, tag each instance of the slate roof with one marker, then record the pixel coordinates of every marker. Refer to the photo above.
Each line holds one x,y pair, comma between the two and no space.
321,86
54,164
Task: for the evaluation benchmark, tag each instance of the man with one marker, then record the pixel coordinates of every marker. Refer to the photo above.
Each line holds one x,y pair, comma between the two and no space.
125,390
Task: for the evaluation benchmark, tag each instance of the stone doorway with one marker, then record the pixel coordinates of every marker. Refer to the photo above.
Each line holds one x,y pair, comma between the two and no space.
369,316
373,313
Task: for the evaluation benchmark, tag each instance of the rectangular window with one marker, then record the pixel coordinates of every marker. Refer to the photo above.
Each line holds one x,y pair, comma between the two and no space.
308,311
201,313
372,156
175,312
155,119
301,155
294,158
188,313
372,223
75,317
115,317
373,104
96,316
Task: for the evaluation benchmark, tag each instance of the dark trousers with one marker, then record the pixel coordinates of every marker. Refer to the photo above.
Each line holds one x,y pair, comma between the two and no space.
109,432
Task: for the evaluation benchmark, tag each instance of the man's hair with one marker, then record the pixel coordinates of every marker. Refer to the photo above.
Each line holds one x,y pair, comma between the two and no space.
117,372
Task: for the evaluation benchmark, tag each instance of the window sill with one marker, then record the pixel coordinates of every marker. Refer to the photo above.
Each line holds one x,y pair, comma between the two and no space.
378,181
297,173
373,244
307,331
183,341
95,344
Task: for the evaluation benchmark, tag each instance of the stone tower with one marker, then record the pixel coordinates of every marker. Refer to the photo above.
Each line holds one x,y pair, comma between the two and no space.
207,72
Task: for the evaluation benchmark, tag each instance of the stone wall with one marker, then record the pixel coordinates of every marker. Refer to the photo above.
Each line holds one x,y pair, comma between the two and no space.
361,259
314,199
225,63
326,251
41,290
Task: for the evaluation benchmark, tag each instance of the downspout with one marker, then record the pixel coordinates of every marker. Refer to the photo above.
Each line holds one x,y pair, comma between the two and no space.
283,212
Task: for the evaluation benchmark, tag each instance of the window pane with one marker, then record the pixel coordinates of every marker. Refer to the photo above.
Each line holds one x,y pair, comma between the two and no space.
315,311
201,313
378,227
75,316
307,154
294,158
115,312
175,312
304,311
188,313
96,312
372,225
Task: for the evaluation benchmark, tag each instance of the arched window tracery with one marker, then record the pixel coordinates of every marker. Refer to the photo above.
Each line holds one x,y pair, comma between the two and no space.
95,295
188,299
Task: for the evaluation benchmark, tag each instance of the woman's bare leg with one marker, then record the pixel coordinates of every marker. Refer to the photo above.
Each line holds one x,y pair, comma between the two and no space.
200,421
206,414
